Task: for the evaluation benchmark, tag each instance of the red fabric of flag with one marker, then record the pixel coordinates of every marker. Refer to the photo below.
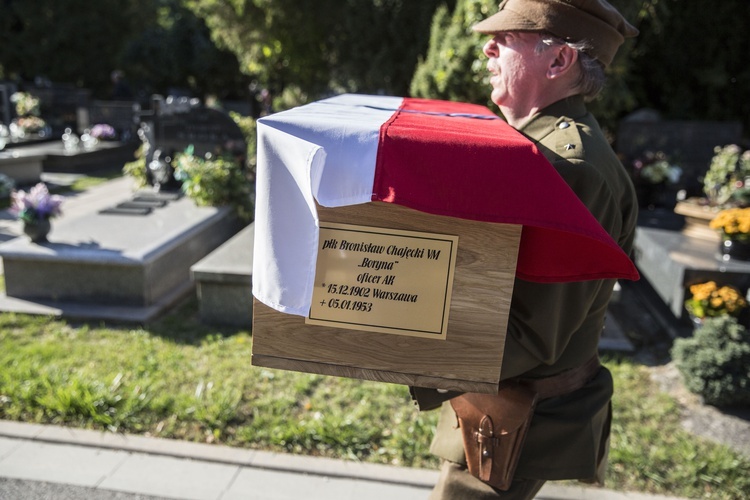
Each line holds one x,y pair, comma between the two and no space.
460,160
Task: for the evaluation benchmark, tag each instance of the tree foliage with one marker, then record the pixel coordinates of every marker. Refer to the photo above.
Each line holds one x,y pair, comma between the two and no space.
158,43
173,53
692,63
71,41
304,49
454,68
620,96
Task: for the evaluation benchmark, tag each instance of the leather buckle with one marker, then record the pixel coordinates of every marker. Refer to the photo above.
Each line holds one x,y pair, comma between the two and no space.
486,439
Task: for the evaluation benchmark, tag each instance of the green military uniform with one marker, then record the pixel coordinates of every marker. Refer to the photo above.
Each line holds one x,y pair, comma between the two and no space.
556,327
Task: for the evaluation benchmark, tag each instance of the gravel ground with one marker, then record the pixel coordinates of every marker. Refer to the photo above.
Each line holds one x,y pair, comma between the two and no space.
730,427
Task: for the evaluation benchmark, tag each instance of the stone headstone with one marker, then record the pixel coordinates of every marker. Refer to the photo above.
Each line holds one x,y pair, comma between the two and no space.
123,116
6,107
61,105
179,123
689,144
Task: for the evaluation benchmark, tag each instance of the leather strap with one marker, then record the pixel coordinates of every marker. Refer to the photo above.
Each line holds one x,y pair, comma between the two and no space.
547,387
564,382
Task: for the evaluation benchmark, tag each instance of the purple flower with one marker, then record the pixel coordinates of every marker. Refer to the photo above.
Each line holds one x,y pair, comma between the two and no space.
36,204
103,131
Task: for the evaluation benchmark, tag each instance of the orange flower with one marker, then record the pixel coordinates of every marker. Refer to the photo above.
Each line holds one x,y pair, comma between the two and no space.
732,222
709,300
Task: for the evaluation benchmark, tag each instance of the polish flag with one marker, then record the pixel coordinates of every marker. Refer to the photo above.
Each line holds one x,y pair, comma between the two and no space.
444,158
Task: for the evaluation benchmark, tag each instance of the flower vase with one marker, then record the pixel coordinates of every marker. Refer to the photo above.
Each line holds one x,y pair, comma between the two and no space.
734,249
37,230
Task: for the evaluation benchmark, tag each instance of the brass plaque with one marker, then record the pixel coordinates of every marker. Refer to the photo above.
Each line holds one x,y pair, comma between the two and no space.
383,280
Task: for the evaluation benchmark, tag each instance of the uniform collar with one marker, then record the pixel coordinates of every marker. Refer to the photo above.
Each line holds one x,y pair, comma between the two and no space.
543,122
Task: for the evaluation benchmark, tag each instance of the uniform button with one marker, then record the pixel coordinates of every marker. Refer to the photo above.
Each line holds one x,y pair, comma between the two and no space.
563,125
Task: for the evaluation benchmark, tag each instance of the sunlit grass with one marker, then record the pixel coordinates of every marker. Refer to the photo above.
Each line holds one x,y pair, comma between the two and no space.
651,452
88,181
180,379
183,380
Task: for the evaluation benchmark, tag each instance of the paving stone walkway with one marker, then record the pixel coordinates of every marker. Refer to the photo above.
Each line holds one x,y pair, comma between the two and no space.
49,462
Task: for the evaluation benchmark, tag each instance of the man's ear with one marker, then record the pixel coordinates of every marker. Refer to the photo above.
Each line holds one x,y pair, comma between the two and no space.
563,62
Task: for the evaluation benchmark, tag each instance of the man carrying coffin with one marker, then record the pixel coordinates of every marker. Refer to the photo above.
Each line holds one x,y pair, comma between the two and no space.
551,417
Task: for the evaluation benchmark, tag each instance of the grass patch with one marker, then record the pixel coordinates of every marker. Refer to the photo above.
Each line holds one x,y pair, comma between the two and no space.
652,452
183,380
85,182
94,179
180,379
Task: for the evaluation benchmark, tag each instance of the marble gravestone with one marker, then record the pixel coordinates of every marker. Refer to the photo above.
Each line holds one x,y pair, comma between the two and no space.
60,105
6,90
177,124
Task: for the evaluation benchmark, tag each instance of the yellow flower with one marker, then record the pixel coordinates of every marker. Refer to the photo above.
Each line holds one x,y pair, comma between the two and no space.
709,300
702,291
732,221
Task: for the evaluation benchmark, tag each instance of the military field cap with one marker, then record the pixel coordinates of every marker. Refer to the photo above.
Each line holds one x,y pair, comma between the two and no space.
594,21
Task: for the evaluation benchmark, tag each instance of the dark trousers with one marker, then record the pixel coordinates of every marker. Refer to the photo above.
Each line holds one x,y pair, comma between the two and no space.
455,483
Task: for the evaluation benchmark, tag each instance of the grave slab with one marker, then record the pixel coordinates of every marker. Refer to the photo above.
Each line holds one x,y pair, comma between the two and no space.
223,281
672,261
110,266
55,158
22,168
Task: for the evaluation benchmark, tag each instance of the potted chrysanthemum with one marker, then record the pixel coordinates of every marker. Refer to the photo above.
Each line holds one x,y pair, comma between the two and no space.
35,209
708,300
733,225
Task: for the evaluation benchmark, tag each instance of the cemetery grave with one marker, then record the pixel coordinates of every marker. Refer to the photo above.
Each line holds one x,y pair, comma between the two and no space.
67,144
61,105
689,144
223,281
128,255
6,107
670,253
175,124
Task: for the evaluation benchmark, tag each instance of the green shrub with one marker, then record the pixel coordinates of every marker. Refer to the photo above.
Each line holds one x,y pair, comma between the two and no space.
216,181
137,168
715,362
725,183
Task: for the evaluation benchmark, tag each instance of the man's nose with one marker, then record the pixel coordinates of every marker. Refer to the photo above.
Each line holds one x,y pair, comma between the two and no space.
490,48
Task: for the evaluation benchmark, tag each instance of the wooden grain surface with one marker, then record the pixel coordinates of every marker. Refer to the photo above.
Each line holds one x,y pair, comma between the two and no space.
470,356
